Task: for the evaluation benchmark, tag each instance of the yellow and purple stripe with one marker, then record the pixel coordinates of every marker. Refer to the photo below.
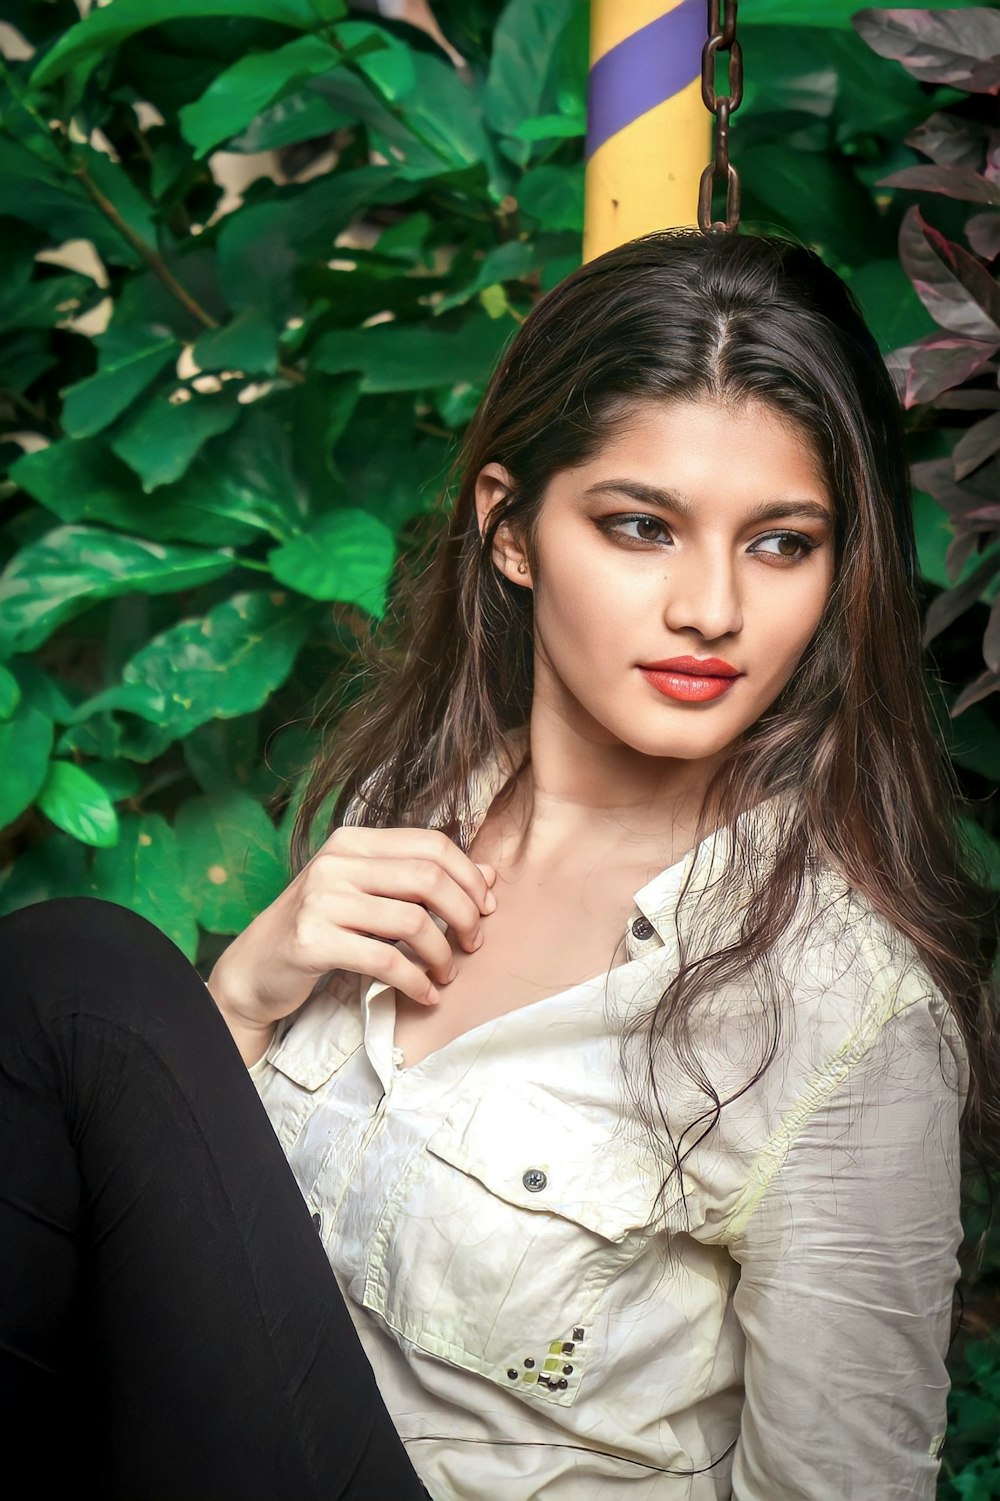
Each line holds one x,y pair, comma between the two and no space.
649,134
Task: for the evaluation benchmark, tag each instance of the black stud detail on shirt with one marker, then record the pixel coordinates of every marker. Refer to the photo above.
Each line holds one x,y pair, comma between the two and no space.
529,1362
512,1375
578,1335
318,1220
534,1180
567,1370
642,928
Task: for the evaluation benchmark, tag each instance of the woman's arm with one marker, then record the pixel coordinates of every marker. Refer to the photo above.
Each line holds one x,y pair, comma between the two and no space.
848,1271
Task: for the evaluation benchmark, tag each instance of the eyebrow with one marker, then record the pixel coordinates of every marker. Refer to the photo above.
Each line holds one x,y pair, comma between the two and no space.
670,500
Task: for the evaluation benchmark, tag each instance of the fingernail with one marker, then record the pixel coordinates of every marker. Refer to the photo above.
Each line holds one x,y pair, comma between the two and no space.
489,874
433,995
490,904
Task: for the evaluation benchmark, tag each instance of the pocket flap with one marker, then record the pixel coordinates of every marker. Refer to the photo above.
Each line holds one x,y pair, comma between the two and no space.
321,1036
544,1155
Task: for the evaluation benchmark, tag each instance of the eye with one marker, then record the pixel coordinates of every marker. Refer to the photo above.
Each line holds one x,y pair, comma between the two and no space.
792,546
640,528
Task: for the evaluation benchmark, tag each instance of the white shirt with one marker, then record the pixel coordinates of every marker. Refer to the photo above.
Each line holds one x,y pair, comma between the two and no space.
536,1332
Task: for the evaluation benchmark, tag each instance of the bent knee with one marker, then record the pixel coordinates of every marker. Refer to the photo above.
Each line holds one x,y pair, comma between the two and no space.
80,938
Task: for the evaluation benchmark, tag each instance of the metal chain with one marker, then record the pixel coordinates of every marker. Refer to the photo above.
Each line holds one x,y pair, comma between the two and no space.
721,38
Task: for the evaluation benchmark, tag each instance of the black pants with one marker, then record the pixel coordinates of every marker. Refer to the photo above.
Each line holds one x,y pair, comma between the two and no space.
170,1327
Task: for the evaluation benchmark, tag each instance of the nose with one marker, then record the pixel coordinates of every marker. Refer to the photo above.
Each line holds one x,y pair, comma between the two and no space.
701,591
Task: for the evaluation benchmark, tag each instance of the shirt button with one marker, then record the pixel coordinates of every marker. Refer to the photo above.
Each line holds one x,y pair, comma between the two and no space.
534,1180
642,928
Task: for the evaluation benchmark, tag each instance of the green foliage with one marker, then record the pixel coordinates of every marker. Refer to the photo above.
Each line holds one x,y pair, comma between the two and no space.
229,422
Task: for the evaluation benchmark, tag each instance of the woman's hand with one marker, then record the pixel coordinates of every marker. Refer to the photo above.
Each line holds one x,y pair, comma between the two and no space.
365,891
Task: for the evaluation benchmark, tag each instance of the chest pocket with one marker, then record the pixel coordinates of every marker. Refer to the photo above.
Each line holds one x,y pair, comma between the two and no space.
305,1057
500,1242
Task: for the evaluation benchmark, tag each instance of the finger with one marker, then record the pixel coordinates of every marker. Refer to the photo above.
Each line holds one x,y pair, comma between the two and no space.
383,961
413,844
411,880
395,921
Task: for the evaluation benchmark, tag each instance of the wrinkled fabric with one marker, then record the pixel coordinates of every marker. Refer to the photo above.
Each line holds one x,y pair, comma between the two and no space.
544,1322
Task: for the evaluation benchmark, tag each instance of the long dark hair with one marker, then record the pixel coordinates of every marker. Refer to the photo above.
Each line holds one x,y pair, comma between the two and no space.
848,750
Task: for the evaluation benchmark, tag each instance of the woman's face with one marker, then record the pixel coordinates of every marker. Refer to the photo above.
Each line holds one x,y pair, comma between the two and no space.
658,548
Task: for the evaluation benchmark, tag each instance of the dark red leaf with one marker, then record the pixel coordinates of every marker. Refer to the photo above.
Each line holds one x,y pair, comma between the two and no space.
949,605
956,288
991,640
983,233
988,683
951,141
922,371
955,182
976,445
960,550
968,400
966,503
959,47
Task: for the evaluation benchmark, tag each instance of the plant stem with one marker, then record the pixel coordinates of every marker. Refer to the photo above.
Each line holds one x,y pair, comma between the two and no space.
158,265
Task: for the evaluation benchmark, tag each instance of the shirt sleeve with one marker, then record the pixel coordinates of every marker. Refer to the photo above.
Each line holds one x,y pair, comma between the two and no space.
847,1272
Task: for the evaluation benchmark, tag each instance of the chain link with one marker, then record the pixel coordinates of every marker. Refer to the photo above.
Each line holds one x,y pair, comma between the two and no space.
721,38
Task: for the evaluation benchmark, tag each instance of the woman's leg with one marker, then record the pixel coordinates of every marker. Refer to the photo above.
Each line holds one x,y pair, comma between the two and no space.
170,1328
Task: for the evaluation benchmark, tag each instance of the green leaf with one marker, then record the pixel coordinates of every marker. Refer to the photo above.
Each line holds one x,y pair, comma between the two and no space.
508,262
78,805
832,13
232,859
94,403
144,873
221,665
10,693
241,92
233,490
262,245
25,743
41,691
53,866
37,193
25,303
438,130
553,197
249,344
119,779
56,577
384,59
161,437
347,556
551,128
105,28
524,44
819,195
892,309
414,357
984,848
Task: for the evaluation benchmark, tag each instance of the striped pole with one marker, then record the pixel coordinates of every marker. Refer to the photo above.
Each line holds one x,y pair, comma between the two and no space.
649,134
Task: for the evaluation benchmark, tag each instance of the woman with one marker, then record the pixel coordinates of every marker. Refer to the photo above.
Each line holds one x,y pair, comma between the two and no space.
620,1032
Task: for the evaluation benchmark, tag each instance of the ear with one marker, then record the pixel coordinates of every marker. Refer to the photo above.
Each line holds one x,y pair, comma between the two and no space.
492,484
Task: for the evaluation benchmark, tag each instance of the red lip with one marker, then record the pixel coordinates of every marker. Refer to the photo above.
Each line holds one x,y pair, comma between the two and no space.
701,667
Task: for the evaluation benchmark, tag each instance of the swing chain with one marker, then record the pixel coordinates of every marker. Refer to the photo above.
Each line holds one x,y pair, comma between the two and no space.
721,38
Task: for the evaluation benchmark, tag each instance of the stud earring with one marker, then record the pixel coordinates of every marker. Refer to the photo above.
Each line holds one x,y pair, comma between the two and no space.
522,567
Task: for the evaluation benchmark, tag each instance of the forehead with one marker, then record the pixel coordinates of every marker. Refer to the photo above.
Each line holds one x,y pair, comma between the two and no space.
701,442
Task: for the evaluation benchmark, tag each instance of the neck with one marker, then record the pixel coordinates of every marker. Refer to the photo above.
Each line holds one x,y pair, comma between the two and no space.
584,789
